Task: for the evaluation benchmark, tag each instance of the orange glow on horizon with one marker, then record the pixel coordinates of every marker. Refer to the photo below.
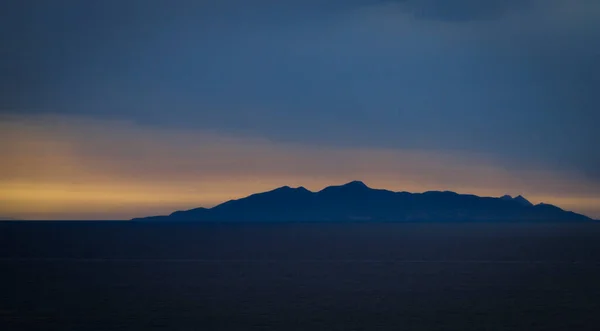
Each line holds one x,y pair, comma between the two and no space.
72,168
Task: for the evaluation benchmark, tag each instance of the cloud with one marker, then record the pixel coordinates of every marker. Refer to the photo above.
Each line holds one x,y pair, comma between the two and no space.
463,10
514,80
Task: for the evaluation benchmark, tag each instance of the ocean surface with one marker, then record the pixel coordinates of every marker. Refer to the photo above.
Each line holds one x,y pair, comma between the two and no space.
300,276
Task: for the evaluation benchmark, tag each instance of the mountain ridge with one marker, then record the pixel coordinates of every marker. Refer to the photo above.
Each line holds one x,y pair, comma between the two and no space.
357,201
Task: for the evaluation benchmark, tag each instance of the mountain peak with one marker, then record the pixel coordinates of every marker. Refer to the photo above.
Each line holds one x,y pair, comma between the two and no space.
302,189
519,198
289,189
353,186
355,183
522,200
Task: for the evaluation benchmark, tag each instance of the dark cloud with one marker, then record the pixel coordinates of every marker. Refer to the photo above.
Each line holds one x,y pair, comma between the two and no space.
463,10
521,87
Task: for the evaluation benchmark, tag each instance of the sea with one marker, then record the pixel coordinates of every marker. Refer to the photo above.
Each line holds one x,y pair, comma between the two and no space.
299,276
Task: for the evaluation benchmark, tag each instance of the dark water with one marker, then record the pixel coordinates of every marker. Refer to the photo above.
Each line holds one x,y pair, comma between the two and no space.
128,276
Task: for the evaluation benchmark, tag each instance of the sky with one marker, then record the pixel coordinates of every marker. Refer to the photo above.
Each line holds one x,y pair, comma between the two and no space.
118,109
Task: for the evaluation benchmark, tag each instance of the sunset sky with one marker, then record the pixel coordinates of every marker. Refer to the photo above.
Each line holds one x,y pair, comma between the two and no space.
117,109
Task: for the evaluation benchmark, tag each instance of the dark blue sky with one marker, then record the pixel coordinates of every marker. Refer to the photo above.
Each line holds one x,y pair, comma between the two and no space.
517,80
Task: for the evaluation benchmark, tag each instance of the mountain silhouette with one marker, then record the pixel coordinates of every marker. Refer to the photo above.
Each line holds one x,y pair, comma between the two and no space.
355,201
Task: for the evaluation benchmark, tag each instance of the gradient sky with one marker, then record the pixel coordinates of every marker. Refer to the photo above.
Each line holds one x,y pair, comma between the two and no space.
114,109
